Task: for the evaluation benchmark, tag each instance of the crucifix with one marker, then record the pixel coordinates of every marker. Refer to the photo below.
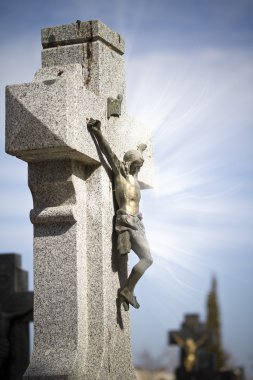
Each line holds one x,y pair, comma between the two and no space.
129,226
192,339
80,329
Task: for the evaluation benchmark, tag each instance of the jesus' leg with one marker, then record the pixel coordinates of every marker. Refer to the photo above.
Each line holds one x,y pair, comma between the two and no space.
140,246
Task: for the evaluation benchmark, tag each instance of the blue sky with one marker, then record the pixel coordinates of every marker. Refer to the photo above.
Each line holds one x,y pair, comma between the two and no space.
189,68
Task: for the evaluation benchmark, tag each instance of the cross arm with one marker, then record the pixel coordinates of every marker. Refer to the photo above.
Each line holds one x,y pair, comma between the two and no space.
177,338
94,127
201,340
18,304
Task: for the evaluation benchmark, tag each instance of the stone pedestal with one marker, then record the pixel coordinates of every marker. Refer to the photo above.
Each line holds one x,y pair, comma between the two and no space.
80,330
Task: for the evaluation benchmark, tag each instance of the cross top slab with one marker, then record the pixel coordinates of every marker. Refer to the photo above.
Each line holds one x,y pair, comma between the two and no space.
82,66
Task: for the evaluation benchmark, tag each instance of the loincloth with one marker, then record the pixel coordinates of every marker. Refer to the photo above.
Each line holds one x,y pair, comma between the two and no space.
124,226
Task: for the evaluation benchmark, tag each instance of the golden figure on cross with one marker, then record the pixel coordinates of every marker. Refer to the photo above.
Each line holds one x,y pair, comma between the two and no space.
190,347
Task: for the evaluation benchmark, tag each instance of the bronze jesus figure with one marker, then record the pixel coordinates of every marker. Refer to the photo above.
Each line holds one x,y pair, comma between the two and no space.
129,226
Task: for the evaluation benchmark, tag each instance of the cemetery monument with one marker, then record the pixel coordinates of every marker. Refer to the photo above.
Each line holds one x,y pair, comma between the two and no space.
81,330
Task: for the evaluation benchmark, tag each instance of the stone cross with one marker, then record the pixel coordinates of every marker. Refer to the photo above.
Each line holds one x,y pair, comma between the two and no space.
16,311
193,329
80,331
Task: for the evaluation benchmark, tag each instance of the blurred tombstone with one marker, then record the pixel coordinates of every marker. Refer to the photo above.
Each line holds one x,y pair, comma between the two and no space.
196,363
192,339
16,311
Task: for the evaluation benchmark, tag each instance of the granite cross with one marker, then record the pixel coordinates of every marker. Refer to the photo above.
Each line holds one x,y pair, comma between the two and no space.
80,331
192,338
16,311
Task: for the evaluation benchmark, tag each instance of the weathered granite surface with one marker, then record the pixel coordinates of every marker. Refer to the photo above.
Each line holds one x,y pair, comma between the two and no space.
46,119
80,330
80,32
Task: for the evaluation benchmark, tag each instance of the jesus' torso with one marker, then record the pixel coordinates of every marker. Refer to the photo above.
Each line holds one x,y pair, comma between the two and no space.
128,195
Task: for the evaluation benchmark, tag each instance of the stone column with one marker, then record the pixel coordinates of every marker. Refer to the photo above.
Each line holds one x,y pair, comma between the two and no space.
80,330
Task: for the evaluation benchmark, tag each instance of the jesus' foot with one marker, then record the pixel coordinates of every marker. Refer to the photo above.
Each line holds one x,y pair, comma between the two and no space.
129,297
